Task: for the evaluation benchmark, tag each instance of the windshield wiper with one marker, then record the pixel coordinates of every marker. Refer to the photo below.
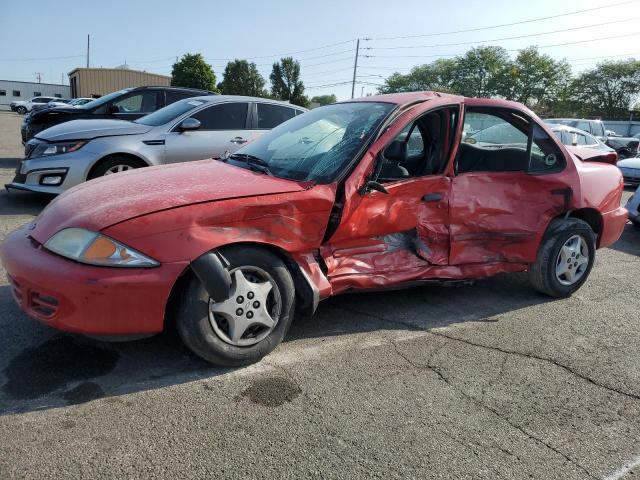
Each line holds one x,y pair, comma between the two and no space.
255,163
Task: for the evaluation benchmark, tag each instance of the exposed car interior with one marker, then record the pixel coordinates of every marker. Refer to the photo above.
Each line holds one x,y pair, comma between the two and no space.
421,148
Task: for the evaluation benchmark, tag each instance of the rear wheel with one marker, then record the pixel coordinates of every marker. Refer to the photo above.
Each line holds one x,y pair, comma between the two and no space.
251,322
564,259
114,165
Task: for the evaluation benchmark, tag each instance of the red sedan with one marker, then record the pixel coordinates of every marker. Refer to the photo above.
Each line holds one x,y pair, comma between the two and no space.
380,192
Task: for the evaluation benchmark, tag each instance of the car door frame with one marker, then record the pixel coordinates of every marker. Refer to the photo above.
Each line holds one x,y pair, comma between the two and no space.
472,239
351,234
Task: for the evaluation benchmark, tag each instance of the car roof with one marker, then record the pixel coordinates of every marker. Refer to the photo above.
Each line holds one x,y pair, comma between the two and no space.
571,120
171,87
241,98
567,128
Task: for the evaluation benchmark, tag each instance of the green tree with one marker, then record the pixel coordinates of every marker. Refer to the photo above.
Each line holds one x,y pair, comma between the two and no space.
438,75
534,79
286,83
242,78
193,72
611,89
324,99
480,72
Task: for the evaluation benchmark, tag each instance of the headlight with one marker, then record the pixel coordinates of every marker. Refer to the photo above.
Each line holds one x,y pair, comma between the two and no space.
94,248
46,149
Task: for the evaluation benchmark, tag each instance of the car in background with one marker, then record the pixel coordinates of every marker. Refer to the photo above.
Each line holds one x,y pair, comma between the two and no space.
584,145
630,168
332,201
633,207
58,102
190,129
24,106
126,104
625,147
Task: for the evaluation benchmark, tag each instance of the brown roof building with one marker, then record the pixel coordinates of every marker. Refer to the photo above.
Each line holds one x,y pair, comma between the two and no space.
95,82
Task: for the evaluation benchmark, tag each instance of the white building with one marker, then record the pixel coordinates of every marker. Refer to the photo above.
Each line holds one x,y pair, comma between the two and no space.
11,91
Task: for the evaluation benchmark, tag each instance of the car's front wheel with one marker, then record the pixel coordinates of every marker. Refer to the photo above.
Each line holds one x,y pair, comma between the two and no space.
254,318
114,165
21,110
565,258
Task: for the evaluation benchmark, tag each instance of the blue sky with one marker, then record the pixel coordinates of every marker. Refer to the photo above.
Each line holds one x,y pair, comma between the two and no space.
148,35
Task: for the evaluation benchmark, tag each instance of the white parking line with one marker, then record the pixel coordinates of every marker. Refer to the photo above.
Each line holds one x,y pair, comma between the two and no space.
626,468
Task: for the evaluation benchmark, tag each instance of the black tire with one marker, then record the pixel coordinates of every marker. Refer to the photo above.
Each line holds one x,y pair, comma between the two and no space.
194,324
21,110
542,273
103,166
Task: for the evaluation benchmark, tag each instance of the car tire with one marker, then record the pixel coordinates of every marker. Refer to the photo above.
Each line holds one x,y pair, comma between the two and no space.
21,110
208,333
565,258
114,165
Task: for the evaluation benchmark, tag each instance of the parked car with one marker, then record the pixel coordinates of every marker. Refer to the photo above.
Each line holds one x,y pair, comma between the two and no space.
633,207
624,146
192,129
630,168
338,199
126,104
584,145
24,106
58,102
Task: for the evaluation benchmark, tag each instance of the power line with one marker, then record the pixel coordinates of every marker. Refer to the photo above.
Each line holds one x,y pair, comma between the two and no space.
292,53
522,22
503,38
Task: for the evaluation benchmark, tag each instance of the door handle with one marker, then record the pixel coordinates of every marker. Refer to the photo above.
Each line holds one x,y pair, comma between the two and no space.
432,197
238,140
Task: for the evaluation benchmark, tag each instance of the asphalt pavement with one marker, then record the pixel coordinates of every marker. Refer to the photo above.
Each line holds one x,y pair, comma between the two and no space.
489,381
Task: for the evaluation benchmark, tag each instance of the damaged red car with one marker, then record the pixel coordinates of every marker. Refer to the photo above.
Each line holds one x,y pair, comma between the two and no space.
381,192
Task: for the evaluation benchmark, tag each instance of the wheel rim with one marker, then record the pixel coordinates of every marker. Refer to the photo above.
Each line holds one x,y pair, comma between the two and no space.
572,261
252,310
118,168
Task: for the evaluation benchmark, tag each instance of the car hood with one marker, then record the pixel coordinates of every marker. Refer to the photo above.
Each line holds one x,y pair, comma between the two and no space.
633,162
112,199
88,129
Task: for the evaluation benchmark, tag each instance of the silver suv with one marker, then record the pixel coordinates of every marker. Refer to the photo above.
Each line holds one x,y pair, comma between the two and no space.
192,129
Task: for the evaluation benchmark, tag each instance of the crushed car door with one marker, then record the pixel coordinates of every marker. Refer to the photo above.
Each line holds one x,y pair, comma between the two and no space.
398,226
511,180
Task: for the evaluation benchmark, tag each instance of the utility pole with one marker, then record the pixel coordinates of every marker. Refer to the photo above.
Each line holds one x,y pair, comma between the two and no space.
355,69
87,50
39,77
362,91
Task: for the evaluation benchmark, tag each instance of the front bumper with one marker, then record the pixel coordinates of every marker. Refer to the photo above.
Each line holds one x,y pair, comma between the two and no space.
73,297
72,167
631,176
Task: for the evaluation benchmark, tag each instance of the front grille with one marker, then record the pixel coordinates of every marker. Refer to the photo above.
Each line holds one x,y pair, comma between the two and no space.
20,178
28,149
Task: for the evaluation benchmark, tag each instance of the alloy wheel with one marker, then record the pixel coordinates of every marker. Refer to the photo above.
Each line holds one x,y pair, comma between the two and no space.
572,261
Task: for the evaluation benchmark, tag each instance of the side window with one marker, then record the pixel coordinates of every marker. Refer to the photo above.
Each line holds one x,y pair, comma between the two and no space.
421,148
583,125
581,139
173,96
591,140
270,116
225,116
598,129
498,141
36,100
143,102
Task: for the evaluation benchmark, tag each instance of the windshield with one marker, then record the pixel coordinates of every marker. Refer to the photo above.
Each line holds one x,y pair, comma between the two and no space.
318,144
102,100
170,112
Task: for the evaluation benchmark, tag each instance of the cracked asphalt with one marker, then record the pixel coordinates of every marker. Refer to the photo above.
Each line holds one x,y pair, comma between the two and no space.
489,380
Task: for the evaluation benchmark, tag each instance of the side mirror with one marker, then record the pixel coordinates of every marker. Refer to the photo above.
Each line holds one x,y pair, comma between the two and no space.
113,109
190,124
372,185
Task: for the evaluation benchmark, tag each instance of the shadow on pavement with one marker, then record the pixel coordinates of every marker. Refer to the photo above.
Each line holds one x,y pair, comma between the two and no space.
629,241
23,203
41,368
